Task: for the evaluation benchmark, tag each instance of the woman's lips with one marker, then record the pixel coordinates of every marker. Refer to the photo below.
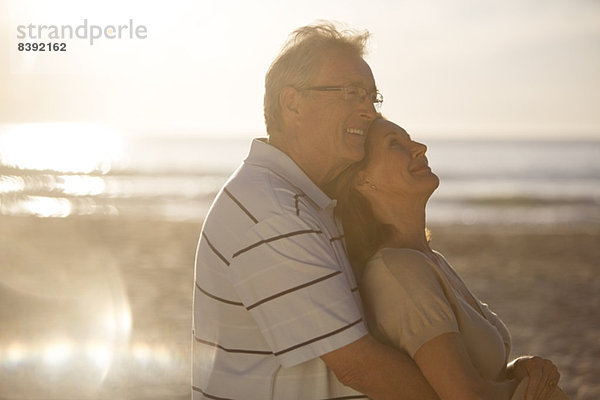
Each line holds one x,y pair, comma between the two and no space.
420,168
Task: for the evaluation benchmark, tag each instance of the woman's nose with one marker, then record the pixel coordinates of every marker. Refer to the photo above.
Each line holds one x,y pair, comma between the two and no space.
419,149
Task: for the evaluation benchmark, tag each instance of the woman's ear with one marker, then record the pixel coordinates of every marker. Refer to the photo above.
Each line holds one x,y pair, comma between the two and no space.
361,176
363,183
360,182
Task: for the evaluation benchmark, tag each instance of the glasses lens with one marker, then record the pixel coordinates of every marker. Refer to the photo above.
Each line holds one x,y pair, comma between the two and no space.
377,100
351,93
360,94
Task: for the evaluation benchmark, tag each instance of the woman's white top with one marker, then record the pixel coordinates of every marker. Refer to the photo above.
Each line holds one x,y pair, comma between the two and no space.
411,299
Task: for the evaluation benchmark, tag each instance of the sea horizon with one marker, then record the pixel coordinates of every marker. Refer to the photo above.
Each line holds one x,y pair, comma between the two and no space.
175,178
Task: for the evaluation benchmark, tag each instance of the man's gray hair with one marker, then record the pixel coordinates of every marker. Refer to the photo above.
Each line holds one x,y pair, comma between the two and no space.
300,60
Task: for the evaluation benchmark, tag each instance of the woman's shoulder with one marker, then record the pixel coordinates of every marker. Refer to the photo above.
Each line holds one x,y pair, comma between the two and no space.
401,257
400,262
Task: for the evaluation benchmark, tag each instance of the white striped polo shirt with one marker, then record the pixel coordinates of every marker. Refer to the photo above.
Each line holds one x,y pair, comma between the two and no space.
274,289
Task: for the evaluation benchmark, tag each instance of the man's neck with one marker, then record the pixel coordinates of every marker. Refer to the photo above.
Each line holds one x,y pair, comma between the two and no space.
320,170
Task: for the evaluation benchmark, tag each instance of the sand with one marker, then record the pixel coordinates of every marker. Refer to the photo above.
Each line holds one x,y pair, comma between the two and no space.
74,290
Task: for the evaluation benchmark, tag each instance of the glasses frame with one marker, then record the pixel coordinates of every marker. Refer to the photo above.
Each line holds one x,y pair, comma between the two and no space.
375,96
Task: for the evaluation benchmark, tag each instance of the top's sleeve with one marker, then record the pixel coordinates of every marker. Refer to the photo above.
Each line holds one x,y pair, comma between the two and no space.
403,295
287,275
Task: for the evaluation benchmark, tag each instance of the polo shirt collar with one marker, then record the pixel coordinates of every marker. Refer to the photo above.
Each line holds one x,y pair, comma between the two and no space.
265,155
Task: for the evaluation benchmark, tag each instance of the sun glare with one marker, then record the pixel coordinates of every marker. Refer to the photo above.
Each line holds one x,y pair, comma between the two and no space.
81,185
100,354
46,206
64,147
10,184
14,354
58,353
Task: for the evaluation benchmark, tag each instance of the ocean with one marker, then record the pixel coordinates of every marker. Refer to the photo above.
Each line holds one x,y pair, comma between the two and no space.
64,170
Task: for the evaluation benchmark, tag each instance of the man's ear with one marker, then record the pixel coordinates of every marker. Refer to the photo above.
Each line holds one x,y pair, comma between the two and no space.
289,99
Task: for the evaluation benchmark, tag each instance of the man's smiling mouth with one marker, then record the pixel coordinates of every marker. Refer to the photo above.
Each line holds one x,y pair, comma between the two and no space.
355,131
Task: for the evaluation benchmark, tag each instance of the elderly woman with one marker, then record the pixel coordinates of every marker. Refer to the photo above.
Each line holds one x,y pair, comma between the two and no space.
413,298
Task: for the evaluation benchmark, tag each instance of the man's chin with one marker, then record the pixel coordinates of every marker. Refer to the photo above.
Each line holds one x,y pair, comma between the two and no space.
355,147
354,154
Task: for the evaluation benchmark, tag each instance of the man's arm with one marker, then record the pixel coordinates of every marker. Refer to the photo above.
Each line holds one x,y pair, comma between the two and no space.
379,371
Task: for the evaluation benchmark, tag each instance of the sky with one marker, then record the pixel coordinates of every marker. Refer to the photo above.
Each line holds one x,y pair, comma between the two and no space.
461,68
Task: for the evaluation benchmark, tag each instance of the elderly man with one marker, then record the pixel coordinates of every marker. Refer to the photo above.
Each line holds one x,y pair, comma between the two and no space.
277,313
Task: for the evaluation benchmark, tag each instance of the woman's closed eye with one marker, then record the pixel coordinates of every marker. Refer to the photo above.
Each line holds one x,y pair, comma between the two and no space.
396,141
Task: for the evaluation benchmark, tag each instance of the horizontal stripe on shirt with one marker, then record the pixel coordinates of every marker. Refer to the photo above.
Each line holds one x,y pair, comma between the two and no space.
319,337
244,209
242,351
214,250
333,239
222,300
278,237
208,396
293,289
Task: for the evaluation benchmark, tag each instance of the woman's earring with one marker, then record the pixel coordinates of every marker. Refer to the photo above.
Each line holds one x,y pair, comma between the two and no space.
371,186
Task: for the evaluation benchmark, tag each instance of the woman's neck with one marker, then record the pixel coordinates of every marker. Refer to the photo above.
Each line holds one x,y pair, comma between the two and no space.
407,217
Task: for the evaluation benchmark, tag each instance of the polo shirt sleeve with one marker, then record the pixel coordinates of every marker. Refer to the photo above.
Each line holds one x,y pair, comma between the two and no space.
405,299
287,276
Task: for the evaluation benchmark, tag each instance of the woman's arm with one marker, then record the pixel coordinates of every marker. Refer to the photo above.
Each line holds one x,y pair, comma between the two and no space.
447,366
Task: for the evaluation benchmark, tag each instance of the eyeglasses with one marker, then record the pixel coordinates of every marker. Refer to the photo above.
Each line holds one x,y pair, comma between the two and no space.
353,93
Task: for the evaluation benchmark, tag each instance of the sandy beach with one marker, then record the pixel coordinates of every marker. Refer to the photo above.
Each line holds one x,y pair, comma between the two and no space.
101,308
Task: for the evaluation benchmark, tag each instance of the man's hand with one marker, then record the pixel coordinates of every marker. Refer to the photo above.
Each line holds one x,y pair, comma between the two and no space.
543,376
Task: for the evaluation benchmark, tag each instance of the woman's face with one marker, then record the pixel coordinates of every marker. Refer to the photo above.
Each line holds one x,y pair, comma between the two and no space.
397,163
